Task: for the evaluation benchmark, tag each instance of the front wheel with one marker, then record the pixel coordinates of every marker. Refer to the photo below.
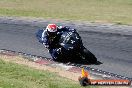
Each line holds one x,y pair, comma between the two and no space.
88,56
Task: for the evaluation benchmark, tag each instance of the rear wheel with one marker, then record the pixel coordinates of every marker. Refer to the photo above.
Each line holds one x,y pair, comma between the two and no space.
88,56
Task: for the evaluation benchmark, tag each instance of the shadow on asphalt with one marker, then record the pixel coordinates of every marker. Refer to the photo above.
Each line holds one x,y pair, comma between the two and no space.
82,62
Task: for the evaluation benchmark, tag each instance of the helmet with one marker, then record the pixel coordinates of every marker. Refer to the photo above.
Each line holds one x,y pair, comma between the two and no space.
51,30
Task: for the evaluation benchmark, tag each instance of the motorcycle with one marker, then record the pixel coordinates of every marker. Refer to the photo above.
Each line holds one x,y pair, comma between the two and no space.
71,48
74,49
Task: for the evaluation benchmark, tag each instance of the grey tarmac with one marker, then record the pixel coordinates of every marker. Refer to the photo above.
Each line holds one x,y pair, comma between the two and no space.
111,44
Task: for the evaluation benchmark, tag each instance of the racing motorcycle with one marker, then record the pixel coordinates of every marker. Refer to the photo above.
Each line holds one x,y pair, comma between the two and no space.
71,48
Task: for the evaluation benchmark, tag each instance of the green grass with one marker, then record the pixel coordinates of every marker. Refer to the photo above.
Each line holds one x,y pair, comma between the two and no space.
117,11
19,76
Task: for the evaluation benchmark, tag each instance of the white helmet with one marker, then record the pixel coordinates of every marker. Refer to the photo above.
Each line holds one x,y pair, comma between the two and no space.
51,28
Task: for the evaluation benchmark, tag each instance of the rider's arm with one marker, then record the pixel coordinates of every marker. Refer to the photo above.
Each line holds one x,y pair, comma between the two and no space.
44,38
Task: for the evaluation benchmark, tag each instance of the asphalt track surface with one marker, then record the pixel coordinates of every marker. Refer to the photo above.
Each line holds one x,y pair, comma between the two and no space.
111,44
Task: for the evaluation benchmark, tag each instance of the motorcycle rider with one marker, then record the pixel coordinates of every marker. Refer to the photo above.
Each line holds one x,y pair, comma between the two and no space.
50,38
